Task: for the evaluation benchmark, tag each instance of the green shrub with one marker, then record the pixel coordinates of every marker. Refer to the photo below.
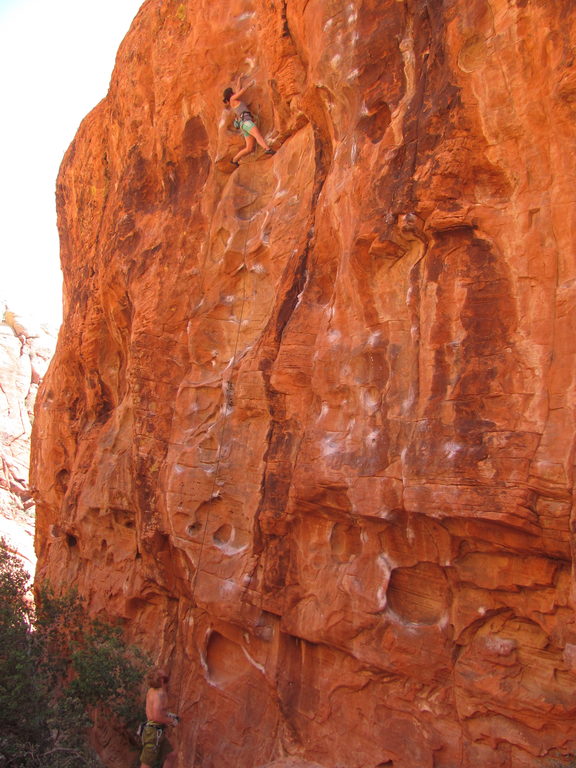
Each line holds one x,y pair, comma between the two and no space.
56,666
107,671
19,691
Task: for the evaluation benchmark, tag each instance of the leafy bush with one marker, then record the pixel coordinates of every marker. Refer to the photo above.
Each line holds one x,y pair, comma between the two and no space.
56,666
107,671
18,690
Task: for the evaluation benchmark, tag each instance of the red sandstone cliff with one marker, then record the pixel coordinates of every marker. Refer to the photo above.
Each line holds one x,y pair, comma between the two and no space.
310,425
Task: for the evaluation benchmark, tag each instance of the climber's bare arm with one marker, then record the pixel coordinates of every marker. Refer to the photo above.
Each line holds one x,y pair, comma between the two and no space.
241,89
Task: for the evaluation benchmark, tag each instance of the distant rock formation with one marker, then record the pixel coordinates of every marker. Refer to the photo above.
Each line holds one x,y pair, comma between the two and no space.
310,428
25,351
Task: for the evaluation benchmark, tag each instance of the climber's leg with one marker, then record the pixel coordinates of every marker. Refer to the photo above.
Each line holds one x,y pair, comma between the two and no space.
250,146
255,132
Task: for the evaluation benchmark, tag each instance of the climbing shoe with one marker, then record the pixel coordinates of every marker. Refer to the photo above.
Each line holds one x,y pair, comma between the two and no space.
235,163
270,152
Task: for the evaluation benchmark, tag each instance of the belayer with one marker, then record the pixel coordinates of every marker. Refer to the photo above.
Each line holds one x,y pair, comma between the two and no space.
156,749
244,121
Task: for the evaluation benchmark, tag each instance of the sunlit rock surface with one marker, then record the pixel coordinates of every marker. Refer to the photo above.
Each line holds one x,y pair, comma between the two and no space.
26,348
310,426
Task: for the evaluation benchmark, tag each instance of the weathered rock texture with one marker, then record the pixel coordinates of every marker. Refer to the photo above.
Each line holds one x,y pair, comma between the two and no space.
25,351
310,425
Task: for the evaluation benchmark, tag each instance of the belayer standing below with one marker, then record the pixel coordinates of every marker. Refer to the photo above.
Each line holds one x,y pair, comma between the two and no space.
245,121
156,749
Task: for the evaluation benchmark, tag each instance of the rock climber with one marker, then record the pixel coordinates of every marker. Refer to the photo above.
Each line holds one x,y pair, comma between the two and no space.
156,749
244,120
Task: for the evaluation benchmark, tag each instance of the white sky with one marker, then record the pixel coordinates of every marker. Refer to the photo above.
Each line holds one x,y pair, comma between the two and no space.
56,59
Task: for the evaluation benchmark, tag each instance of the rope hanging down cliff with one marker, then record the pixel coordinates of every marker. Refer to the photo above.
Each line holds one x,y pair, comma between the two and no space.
214,494
252,134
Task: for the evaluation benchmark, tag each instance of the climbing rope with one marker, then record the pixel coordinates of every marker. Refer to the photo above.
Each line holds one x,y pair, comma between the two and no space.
213,493
228,392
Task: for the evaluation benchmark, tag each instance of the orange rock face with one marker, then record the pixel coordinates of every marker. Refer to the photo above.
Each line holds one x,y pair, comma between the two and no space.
310,426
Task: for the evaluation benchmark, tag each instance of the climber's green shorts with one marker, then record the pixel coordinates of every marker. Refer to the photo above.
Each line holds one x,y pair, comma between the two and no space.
246,126
155,746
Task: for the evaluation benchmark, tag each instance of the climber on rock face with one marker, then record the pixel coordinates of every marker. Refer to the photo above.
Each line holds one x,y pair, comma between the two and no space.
244,120
156,749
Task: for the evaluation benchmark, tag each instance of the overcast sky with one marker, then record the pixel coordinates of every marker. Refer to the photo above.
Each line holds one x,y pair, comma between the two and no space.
56,59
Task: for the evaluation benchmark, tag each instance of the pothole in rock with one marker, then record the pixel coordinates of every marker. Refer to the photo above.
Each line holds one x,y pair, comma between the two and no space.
420,594
345,542
229,539
225,660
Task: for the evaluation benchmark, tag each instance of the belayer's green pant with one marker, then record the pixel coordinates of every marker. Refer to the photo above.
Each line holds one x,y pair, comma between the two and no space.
155,746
